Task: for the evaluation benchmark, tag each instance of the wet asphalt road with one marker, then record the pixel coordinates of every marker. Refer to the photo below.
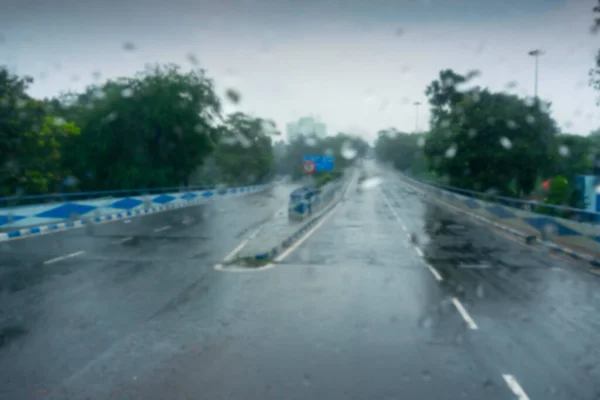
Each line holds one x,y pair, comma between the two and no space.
357,311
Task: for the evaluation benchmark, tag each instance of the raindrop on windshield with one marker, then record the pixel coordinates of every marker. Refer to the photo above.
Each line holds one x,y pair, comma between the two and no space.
563,151
310,141
426,375
129,46
479,291
348,151
505,142
127,92
192,59
233,96
307,380
421,142
451,151
530,119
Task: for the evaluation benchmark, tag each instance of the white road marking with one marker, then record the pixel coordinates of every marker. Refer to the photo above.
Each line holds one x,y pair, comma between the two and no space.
392,210
233,252
515,387
293,247
435,273
463,313
57,259
127,239
162,228
419,251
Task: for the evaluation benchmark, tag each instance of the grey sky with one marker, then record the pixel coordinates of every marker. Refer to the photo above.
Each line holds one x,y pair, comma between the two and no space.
358,65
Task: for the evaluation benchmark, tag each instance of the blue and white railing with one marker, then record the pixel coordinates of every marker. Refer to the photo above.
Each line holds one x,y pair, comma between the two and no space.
42,218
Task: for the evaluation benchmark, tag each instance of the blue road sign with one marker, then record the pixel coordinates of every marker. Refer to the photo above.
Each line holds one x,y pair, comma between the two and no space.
322,163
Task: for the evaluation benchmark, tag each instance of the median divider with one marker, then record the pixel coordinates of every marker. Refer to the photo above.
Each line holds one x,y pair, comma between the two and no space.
282,232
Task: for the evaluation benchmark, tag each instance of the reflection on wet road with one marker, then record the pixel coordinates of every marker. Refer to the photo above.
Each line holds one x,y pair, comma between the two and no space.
392,298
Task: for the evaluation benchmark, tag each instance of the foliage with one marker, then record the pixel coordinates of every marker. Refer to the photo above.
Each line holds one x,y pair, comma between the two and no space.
30,141
403,150
244,153
482,140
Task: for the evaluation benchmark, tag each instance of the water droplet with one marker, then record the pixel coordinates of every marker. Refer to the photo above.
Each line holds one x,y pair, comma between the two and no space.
59,121
399,32
426,322
564,151
445,123
127,92
476,97
328,152
70,181
511,124
233,96
549,230
307,379
448,82
129,46
511,85
451,151
530,119
472,132
529,102
192,59
421,141
491,120
96,75
348,151
506,143
75,78
426,375
405,69
310,141
474,73
479,291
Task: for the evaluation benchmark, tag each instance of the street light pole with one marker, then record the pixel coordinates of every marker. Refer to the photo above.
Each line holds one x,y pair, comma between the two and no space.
417,104
536,53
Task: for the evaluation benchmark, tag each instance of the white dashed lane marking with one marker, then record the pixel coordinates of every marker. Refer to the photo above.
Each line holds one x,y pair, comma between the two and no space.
57,259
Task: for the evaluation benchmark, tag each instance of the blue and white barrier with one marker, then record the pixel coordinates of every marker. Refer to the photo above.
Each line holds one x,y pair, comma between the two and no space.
37,219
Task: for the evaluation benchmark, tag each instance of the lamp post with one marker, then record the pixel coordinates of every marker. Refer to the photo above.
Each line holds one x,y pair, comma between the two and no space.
417,104
536,53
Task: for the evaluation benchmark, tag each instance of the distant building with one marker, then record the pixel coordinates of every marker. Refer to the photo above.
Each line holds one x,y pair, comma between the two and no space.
305,126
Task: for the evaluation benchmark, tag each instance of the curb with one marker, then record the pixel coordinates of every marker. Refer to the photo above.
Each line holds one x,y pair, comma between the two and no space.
290,240
594,262
64,226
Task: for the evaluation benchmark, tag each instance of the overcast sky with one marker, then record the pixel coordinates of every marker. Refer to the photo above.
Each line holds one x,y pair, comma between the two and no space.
357,65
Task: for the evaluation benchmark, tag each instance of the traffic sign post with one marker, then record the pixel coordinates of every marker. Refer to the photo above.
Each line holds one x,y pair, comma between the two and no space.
308,166
321,162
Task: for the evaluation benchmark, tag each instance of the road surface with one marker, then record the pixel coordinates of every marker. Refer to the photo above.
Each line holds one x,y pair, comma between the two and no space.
390,298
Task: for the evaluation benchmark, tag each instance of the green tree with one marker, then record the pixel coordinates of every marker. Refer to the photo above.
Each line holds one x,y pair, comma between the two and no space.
244,154
152,130
482,140
31,141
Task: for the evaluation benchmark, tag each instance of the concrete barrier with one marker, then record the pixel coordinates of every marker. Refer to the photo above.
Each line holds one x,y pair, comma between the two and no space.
577,239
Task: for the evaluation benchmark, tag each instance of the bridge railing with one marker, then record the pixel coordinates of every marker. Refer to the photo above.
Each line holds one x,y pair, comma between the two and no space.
571,213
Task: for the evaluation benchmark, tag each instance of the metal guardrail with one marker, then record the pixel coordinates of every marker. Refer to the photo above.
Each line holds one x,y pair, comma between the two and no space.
571,213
